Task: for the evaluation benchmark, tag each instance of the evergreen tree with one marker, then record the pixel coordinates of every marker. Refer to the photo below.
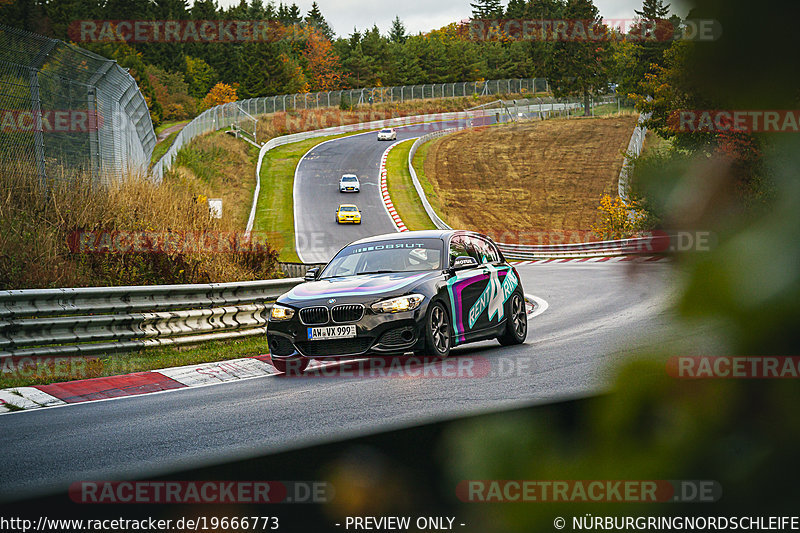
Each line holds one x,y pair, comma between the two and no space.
579,68
256,11
486,9
315,20
516,9
397,33
409,71
354,39
289,15
653,10
360,68
545,9
652,37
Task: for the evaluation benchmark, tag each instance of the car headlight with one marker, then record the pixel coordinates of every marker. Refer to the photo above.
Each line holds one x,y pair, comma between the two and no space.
280,312
399,304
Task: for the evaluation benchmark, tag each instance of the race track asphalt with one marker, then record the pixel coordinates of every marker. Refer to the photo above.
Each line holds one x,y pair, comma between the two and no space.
596,311
316,191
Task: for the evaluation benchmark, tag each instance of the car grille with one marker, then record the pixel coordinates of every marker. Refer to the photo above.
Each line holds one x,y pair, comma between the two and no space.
394,337
280,345
312,316
352,346
347,313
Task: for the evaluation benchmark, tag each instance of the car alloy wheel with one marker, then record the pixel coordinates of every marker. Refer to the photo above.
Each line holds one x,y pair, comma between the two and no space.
517,323
437,332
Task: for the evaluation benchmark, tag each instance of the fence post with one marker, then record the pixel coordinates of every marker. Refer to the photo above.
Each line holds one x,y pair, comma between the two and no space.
36,107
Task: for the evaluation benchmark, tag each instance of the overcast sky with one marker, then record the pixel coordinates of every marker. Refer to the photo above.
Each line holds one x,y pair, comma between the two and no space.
422,15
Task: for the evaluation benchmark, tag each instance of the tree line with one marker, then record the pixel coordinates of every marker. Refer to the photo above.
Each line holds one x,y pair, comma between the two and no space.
175,76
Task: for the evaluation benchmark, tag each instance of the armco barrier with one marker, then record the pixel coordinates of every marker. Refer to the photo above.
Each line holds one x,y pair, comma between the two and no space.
437,221
298,270
634,150
99,320
633,246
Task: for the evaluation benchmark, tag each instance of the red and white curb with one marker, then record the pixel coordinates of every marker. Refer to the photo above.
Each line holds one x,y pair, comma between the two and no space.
105,388
607,259
387,200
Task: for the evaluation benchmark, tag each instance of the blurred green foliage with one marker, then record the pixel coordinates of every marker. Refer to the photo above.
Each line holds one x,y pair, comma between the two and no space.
742,433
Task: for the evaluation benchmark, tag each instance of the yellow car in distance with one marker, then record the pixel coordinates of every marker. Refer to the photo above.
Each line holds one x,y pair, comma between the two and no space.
348,214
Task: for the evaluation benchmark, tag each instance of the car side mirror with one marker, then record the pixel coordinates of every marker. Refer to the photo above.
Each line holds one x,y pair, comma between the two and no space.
464,262
311,274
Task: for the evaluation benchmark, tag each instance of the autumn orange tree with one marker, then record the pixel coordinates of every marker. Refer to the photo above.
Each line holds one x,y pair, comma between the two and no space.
323,66
618,220
221,93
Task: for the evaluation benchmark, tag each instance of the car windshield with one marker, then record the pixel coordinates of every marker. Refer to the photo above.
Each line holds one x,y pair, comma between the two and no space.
348,178
396,255
386,131
348,208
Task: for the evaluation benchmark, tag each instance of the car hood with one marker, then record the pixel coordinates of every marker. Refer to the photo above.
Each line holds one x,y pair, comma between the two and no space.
362,288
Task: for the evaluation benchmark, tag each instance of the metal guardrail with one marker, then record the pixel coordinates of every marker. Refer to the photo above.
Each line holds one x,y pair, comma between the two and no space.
632,246
436,219
100,320
298,270
635,147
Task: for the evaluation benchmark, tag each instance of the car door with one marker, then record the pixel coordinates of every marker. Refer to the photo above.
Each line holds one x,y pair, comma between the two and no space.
488,311
464,287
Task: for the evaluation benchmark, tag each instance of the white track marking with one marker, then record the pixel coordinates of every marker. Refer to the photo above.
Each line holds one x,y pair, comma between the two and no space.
541,305
219,372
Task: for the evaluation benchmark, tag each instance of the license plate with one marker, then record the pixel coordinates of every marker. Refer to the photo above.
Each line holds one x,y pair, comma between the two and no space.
332,332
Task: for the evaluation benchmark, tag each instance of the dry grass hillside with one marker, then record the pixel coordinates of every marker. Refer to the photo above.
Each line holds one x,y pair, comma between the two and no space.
540,176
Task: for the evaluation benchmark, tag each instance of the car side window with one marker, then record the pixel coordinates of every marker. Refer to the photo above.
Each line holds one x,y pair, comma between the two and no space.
472,250
486,251
458,248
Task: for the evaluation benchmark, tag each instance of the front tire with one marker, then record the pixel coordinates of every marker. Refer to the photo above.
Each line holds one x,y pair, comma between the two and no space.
291,367
517,322
437,330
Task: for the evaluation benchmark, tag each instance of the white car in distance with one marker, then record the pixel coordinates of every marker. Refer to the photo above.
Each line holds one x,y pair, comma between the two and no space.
387,134
349,183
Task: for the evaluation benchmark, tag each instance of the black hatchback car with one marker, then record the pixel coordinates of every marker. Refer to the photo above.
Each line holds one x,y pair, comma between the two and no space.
416,291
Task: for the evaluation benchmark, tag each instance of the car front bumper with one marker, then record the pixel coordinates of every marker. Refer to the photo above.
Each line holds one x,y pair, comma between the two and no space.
377,334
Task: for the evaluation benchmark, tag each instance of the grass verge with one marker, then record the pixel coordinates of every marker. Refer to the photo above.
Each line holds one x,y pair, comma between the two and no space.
604,110
401,189
275,212
161,148
161,127
217,165
112,365
430,191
